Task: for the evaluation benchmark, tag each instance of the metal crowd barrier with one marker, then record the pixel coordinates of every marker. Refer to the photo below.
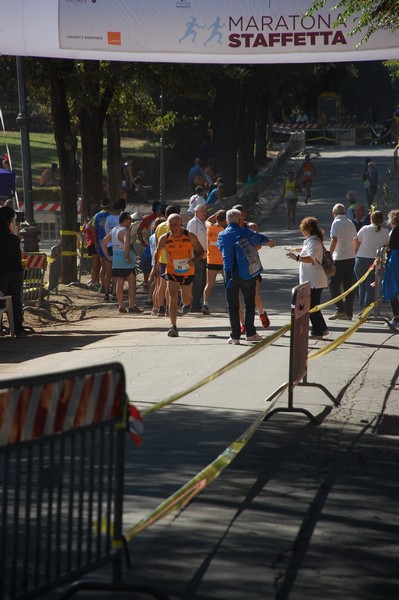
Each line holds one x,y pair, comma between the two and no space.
62,458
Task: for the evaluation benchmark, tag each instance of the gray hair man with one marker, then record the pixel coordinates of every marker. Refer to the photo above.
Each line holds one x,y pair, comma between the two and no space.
342,248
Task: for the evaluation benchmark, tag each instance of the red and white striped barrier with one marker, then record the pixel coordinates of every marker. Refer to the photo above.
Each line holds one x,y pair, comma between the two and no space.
35,260
30,412
44,206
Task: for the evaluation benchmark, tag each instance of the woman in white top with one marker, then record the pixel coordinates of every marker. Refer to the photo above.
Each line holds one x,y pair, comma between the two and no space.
310,258
369,239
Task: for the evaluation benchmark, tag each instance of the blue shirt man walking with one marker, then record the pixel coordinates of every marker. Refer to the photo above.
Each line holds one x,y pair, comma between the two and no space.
233,282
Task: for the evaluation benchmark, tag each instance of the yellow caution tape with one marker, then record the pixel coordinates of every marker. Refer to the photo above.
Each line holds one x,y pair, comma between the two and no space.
68,232
237,361
348,291
68,253
195,486
342,338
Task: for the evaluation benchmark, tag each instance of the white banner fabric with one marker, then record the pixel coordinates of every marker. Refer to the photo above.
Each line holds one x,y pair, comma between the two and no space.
205,31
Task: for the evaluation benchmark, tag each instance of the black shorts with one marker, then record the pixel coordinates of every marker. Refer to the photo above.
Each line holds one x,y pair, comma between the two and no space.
91,250
123,272
179,278
162,268
214,267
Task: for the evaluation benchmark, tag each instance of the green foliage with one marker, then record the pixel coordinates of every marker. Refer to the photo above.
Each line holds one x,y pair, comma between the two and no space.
372,14
43,194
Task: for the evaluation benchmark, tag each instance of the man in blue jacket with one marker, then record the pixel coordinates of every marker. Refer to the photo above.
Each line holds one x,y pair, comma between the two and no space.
233,282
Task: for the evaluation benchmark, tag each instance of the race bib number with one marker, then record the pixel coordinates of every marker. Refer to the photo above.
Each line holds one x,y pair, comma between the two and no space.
181,265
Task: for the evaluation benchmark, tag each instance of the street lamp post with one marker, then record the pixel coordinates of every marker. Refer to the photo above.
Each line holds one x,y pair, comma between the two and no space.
29,229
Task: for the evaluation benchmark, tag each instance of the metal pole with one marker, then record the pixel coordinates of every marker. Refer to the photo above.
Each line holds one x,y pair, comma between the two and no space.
162,158
29,230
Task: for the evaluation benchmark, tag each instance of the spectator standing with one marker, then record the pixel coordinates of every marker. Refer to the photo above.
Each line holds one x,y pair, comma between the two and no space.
214,260
197,226
47,176
11,270
310,258
182,251
360,218
390,285
197,198
306,171
352,201
370,238
342,248
215,195
233,282
196,175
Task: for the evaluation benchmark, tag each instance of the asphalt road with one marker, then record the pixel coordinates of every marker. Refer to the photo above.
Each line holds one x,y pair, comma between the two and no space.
306,511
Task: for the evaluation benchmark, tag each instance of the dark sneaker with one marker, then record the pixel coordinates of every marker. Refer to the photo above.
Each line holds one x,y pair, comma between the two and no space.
185,309
122,310
134,310
173,332
205,310
101,290
106,298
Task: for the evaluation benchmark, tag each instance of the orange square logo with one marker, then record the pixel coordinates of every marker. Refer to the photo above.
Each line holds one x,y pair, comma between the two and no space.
114,38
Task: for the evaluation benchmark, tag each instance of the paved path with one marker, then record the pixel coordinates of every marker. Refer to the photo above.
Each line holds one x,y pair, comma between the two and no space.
305,511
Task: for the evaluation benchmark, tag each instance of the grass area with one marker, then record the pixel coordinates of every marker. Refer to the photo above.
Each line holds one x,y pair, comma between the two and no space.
44,152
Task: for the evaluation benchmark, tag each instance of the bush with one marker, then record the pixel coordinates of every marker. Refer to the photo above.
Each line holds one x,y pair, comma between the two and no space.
42,194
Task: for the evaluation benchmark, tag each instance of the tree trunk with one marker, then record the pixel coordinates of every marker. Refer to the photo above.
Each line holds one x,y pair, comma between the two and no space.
261,125
247,134
114,157
91,117
66,147
225,132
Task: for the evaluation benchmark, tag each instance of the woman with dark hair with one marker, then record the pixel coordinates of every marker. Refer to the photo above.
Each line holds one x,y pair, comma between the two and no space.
370,238
310,258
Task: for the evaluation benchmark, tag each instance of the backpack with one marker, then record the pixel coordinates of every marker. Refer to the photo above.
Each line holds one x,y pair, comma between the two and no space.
248,261
327,263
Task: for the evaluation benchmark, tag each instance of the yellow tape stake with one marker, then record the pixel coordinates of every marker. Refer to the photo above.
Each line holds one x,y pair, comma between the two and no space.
195,486
237,361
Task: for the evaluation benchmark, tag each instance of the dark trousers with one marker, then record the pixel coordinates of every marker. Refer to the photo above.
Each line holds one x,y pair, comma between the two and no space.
342,281
247,287
395,306
11,285
318,323
199,283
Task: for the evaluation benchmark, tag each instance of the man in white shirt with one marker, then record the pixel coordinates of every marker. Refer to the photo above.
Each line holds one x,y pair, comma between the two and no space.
197,226
342,248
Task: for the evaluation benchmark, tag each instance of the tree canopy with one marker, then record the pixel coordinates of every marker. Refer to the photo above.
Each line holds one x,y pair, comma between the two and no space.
372,14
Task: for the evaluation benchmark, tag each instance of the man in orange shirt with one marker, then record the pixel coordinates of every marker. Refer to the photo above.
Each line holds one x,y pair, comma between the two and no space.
214,260
183,250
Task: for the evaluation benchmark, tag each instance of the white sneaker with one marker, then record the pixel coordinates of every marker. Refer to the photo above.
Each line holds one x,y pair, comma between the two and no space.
233,341
254,338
